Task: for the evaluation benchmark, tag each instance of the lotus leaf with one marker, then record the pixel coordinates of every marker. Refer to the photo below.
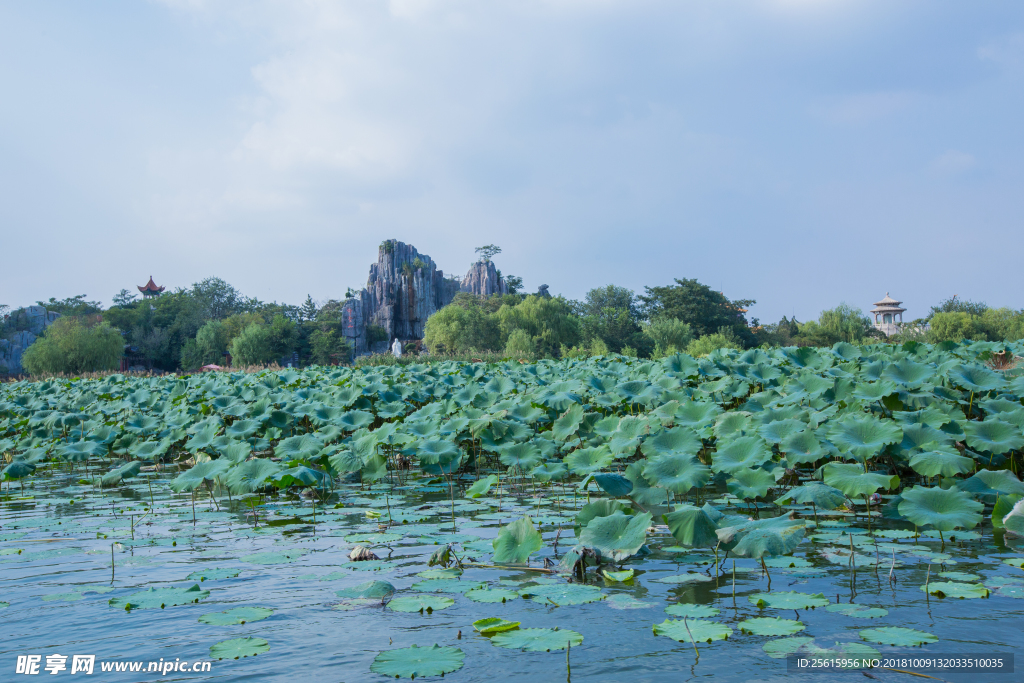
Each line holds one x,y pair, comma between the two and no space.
788,600
771,626
691,611
854,482
410,662
239,647
491,595
517,541
896,635
943,509
691,526
419,603
562,594
616,536
537,639
692,630
493,625
160,597
994,436
238,615
955,589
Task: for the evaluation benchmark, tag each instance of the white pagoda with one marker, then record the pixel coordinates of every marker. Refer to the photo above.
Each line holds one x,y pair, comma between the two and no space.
888,315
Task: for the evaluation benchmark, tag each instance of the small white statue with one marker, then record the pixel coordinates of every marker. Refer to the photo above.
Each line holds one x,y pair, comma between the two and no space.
396,348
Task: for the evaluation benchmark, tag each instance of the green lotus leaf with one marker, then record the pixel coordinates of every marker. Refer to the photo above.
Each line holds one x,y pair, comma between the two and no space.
615,485
618,577
525,456
676,472
18,470
81,451
565,427
373,590
251,475
975,378
202,439
643,493
780,430
552,471
697,414
275,557
875,391
675,441
859,611
689,577
584,461
692,630
537,639
924,437
446,585
763,537
802,447
517,541
941,463
691,526
820,495
599,508
741,454
942,509
747,484
212,574
956,589
481,486
301,476
616,536
420,603
771,626
239,647
691,611
413,662
436,452
343,460
909,374
788,600
896,635
493,625
854,482
238,615
864,437
562,594
152,598
992,482
993,436
491,595
301,447
1013,521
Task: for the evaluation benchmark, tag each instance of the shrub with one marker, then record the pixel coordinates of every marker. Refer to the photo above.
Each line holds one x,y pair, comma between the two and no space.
669,336
709,342
71,346
326,348
252,346
519,345
461,326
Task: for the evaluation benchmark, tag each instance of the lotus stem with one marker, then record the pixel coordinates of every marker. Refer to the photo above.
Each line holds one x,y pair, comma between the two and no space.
765,568
695,650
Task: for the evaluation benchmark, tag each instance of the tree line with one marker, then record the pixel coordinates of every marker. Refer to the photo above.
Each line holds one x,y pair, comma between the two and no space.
211,320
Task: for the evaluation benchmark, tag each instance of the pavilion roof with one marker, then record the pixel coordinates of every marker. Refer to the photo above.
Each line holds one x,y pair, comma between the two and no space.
150,287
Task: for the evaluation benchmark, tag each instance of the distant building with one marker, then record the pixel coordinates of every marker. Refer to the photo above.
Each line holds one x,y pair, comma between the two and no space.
888,315
150,289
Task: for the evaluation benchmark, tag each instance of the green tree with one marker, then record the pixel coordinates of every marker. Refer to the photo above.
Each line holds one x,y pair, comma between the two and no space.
308,309
955,304
548,320
704,345
487,252
124,298
953,326
208,347
519,344
326,347
72,306
71,345
514,283
611,314
699,306
253,347
284,337
461,326
669,336
842,323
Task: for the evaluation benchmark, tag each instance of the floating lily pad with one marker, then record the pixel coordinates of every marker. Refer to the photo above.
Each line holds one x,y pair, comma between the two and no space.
788,600
692,611
420,603
493,625
560,594
699,629
771,626
491,595
238,615
955,589
626,601
858,611
619,577
275,557
786,562
960,576
897,635
537,639
369,565
684,578
239,647
374,590
440,574
212,574
160,597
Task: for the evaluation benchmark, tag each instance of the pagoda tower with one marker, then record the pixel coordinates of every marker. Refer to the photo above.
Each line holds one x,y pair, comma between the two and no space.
150,289
886,313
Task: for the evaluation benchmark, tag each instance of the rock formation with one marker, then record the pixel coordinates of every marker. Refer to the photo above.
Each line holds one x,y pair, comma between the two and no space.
483,279
405,288
23,326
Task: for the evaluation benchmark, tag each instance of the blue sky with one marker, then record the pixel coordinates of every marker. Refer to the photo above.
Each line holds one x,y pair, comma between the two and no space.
798,152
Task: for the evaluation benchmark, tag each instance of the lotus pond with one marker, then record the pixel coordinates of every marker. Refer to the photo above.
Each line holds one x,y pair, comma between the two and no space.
603,520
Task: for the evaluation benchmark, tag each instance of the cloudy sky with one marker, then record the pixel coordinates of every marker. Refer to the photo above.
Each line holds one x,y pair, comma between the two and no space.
798,152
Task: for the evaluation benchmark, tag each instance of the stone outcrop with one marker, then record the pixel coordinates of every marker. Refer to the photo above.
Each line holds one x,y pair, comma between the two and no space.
405,288
23,327
483,280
